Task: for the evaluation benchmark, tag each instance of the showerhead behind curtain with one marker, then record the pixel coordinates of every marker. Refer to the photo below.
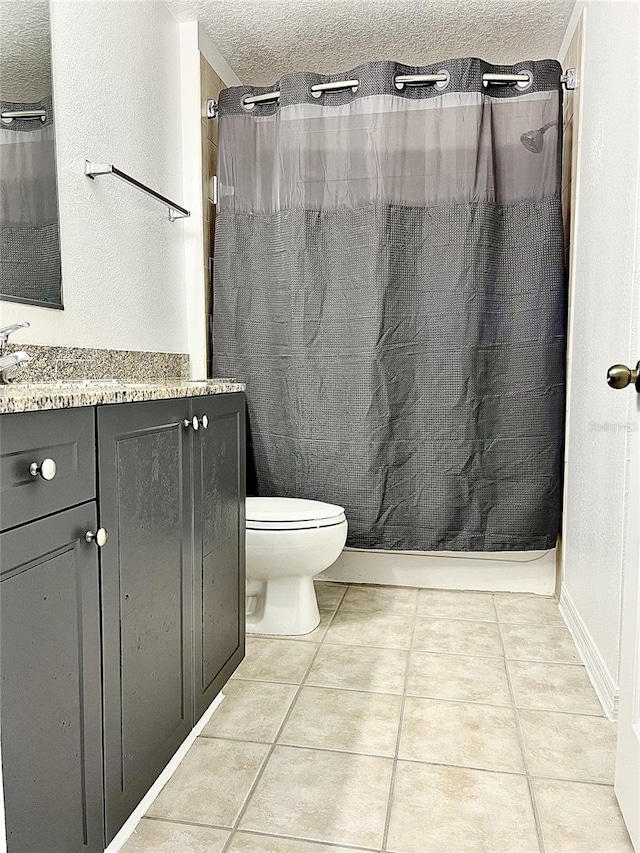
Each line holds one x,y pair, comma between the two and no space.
389,281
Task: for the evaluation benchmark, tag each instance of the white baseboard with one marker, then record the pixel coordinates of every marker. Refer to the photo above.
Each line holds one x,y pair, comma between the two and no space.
526,571
134,819
603,682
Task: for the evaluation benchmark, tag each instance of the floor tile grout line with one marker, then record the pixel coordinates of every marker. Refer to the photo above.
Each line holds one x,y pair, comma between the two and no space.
260,833
577,664
329,750
334,751
498,592
502,656
366,646
506,622
412,695
573,663
504,705
326,686
392,783
273,745
495,657
335,844
345,588
220,827
523,749
377,611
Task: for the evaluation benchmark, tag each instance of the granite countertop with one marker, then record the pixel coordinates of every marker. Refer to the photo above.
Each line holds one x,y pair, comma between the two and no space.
67,394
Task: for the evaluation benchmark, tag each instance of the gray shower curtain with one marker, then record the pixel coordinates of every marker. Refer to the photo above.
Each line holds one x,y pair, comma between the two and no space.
388,280
29,234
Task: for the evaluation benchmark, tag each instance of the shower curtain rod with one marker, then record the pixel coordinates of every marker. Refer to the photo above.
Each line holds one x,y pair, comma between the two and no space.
440,80
9,116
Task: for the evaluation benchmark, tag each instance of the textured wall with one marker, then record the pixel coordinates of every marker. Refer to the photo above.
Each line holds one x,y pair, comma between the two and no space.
201,78
116,70
601,334
25,46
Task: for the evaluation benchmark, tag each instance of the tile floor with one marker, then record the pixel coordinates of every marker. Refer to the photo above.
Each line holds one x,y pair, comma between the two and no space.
412,721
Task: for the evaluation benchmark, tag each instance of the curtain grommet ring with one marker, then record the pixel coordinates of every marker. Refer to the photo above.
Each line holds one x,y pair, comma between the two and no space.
442,84
319,89
523,85
245,106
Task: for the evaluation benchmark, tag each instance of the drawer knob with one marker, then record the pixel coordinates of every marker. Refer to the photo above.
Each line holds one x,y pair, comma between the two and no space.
186,423
99,537
45,469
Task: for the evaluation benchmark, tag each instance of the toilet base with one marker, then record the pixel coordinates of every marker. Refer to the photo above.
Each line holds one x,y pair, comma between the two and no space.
285,606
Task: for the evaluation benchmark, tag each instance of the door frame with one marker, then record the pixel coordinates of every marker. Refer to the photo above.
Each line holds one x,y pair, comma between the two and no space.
627,775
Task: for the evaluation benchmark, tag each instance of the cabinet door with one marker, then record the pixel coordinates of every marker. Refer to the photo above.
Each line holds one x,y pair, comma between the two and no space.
144,455
50,664
219,541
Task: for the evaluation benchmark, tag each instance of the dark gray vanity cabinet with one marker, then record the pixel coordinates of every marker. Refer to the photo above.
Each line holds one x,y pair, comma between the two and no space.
219,542
51,701
110,654
171,495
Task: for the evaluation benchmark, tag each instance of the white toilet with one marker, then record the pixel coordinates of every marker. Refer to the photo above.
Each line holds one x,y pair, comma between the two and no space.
289,541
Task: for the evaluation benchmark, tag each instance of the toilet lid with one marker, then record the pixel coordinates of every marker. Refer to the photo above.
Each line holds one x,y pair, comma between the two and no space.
287,510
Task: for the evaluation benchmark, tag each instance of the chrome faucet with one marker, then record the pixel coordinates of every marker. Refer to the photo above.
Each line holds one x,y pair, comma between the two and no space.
11,362
8,330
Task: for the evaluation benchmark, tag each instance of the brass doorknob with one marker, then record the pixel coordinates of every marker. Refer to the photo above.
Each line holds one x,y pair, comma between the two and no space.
619,376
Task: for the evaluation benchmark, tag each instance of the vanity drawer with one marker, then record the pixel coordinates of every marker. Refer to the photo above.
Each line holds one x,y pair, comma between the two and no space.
29,489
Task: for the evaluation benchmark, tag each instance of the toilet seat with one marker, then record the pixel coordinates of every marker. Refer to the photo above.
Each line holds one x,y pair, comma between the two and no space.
291,514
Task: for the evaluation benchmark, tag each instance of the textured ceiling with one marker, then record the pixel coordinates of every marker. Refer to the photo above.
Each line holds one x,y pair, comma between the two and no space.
263,39
25,50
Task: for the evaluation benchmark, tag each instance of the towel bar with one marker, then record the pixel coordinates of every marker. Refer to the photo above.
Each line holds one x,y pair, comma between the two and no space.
91,170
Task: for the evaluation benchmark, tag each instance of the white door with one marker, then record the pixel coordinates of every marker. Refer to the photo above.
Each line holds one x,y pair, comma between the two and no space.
627,780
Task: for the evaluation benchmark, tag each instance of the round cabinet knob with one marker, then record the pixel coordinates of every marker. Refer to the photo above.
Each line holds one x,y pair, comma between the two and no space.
204,420
99,537
193,422
619,376
45,469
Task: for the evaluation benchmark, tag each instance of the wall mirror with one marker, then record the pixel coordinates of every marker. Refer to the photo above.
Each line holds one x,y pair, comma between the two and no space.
29,234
